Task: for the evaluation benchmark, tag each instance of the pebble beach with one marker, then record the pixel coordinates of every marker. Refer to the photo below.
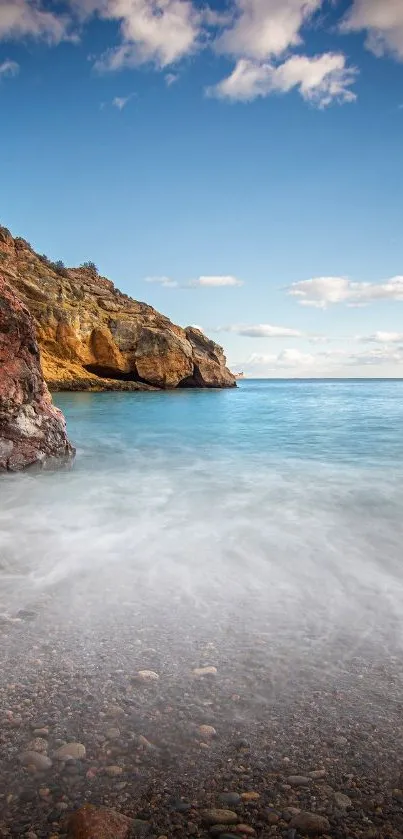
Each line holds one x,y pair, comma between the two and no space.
190,723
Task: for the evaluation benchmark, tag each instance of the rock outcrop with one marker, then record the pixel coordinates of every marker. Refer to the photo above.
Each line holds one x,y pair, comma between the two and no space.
32,429
93,337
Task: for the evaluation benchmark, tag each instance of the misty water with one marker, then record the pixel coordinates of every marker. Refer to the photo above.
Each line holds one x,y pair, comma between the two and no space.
256,530
286,492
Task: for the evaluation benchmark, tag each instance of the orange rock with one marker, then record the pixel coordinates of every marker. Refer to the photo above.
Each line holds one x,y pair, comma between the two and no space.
98,823
93,337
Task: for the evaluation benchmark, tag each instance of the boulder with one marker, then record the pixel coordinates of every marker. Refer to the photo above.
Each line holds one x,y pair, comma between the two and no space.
32,429
93,337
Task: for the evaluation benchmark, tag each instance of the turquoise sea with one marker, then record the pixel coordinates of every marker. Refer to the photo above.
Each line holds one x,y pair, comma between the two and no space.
284,494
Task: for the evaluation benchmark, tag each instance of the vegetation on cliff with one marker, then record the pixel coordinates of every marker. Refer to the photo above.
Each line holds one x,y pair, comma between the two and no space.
93,337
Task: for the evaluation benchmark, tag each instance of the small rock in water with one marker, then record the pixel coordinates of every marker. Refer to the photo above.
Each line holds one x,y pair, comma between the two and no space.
92,822
310,823
207,732
147,676
74,750
39,761
217,816
317,774
298,781
343,802
113,733
230,798
205,671
113,771
247,797
38,745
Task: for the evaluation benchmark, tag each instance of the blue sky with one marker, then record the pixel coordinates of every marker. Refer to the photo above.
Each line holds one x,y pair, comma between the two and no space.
238,165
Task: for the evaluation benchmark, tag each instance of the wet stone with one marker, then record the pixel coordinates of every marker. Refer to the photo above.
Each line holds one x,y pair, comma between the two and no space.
179,805
76,751
298,781
232,799
217,816
311,824
37,760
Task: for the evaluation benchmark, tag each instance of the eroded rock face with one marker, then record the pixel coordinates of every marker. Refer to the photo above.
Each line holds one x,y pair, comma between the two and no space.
93,337
32,429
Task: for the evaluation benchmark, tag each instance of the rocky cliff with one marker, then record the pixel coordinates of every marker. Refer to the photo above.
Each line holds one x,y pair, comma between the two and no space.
32,429
93,337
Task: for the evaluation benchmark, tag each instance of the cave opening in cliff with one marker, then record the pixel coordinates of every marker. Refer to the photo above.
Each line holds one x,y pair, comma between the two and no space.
105,372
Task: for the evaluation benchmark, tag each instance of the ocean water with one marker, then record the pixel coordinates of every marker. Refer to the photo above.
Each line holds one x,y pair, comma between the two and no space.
280,500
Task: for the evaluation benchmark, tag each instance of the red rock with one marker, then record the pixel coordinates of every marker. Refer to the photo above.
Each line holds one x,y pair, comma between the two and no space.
98,823
32,429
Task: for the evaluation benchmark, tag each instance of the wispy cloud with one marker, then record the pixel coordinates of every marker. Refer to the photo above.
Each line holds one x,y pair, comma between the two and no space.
382,20
322,292
120,102
321,80
24,18
218,281
261,330
165,282
333,362
158,31
382,338
171,78
9,69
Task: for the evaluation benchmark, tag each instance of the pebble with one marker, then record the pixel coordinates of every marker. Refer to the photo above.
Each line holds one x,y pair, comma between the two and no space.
217,816
230,798
147,676
39,761
207,731
41,732
272,818
317,774
343,802
113,733
311,824
298,781
74,750
38,745
247,797
204,671
113,771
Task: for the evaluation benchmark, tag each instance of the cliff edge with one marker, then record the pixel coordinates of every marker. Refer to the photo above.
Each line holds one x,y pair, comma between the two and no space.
32,429
93,337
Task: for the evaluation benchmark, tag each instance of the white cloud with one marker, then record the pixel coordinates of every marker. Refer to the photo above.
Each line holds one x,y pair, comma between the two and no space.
22,18
264,28
382,20
216,281
382,338
324,291
8,69
261,330
120,102
321,80
165,282
202,282
171,78
158,31
334,362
